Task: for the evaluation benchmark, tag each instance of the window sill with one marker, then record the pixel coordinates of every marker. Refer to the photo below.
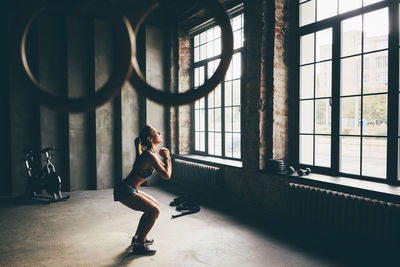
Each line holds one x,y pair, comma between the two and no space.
210,160
353,186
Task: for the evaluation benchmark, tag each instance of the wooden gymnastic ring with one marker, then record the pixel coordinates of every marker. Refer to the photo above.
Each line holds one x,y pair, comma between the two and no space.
125,49
139,83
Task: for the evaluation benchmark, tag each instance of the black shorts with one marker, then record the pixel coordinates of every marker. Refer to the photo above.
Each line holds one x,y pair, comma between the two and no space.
123,190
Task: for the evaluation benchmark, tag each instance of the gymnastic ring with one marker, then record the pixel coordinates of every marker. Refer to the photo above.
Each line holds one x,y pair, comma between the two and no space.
137,79
125,49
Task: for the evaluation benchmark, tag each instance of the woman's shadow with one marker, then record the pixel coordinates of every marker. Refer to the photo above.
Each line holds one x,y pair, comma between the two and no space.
125,257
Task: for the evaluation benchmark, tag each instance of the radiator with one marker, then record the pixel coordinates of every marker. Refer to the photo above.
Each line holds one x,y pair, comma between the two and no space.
335,212
190,173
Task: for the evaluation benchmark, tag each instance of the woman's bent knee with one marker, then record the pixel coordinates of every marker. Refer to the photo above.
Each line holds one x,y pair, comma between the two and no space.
155,212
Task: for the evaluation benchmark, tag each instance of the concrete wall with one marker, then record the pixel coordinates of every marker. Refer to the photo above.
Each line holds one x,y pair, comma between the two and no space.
105,163
79,52
52,73
155,76
23,114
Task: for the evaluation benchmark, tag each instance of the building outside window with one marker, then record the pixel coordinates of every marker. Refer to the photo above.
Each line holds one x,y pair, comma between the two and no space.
344,90
217,130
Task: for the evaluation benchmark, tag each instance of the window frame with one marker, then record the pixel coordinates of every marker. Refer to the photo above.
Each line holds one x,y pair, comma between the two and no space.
392,135
238,10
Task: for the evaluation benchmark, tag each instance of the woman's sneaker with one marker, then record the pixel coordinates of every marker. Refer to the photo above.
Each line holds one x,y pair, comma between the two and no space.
142,249
146,241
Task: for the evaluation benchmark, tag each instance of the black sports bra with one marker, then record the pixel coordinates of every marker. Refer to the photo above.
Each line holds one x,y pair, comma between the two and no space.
144,173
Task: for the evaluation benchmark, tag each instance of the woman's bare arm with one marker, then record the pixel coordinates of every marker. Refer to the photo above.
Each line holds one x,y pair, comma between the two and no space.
163,168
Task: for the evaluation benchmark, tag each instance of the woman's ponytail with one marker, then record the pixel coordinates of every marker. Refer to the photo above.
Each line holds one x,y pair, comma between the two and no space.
142,142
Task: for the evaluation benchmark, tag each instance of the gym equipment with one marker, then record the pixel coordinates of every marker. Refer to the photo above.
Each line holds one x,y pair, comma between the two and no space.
46,178
125,50
275,165
305,171
185,204
290,170
139,82
126,60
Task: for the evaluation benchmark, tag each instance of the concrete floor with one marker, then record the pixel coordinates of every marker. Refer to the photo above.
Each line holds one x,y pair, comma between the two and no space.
90,229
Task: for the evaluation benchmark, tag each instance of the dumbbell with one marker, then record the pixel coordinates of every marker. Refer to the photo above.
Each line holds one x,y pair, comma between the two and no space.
305,171
290,170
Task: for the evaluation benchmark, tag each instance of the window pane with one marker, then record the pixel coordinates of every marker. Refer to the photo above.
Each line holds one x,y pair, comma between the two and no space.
217,32
326,9
217,46
236,119
197,141
203,51
201,102
350,115
202,120
237,66
228,75
368,2
236,92
375,72
228,93
203,38
306,149
218,96
210,49
228,119
323,151
236,23
374,157
323,79
376,28
323,40
211,144
236,145
197,120
323,116
307,81
237,39
307,13
351,76
218,144
349,155
211,99
210,69
211,123
218,119
307,48
346,5
199,76
306,116
196,54
351,35
228,144
375,115
202,142
210,35
196,40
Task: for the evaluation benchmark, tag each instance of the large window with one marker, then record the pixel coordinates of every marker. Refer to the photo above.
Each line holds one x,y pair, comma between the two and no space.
348,87
217,116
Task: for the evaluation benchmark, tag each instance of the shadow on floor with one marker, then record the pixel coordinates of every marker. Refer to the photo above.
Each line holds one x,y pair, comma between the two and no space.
125,258
341,251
